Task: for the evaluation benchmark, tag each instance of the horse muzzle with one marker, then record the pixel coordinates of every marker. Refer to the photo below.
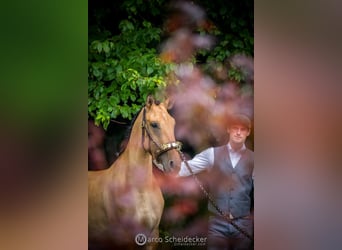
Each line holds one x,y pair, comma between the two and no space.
169,163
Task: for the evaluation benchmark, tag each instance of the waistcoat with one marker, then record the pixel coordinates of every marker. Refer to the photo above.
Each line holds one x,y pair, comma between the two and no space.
231,188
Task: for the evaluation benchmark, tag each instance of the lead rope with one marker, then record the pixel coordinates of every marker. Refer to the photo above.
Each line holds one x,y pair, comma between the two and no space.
223,214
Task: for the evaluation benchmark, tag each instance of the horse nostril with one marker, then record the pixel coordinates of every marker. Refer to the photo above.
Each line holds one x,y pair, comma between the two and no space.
171,164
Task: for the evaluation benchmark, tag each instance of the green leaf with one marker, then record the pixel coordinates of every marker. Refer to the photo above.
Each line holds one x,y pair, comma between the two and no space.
105,47
149,70
114,100
133,98
106,123
124,112
118,69
114,113
99,47
98,74
140,82
133,85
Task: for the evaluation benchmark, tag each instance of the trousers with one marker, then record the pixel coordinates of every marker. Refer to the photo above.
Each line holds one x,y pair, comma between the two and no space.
224,236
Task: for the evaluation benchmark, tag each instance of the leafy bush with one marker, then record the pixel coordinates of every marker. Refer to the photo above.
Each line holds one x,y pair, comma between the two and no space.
125,67
123,70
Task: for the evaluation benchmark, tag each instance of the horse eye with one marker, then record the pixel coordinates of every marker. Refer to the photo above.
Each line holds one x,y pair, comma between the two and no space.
154,125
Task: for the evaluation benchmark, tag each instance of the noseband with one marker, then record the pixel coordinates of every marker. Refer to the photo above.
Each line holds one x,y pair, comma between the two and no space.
162,148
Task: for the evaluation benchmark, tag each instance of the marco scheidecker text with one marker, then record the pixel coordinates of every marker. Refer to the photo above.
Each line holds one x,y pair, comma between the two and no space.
141,239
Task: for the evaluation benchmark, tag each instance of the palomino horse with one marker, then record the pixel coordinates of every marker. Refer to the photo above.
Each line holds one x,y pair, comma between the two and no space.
125,199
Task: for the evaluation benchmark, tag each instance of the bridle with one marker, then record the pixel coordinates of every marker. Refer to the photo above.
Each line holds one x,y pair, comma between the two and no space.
161,148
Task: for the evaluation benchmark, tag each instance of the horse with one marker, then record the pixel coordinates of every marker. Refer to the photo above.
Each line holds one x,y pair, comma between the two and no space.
125,199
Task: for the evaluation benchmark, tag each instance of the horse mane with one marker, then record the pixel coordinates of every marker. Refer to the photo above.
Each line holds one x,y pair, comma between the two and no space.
128,132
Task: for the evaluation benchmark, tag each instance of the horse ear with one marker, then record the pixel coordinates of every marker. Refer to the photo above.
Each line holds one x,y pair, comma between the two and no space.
149,101
168,103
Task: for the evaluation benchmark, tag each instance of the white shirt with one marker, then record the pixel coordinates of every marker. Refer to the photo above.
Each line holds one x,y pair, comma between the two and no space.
205,160
235,155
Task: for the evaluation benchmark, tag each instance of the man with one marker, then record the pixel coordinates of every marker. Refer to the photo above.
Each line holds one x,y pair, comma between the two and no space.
230,168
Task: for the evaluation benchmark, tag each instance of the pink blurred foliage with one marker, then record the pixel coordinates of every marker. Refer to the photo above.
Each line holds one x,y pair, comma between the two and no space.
201,105
96,154
185,18
173,185
180,210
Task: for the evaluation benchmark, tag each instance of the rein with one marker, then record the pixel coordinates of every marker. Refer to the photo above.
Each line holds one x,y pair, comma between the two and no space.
162,148
211,200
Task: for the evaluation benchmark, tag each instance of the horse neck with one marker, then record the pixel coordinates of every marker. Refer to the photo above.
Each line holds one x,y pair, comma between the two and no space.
137,161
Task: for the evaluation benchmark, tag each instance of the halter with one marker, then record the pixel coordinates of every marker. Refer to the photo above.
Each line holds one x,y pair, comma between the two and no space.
162,148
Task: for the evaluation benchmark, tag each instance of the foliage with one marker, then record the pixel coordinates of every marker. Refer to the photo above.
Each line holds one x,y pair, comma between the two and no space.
123,60
123,70
233,28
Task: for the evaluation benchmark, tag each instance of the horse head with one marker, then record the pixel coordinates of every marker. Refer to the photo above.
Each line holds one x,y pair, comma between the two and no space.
159,127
